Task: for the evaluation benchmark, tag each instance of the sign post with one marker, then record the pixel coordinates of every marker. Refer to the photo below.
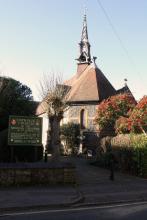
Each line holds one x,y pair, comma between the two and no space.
24,130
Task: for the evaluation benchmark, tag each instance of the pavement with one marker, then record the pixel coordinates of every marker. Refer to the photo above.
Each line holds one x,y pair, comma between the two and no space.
24,198
97,188
93,188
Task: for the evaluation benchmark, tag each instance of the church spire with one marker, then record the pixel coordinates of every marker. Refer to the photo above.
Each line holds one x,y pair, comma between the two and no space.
85,56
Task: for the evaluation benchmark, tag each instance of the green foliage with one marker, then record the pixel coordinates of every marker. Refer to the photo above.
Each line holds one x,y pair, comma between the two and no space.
130,153
15,99
69,134
4,149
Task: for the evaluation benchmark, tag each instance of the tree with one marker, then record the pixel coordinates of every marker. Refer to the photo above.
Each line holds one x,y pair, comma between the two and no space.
111,109
54,96
15,99
138,117
137,120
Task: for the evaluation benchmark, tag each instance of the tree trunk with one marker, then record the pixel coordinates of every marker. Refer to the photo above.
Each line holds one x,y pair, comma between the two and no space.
55,137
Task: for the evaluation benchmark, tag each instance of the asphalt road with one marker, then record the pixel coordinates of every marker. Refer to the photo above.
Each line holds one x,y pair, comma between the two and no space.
125,212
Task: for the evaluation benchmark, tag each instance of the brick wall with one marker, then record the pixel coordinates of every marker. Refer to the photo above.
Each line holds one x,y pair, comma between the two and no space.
22,176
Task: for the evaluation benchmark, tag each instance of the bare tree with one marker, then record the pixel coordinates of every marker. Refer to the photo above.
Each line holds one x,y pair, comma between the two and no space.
54,102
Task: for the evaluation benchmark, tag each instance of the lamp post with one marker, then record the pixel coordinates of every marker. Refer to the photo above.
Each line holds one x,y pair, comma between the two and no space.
111,164
45,156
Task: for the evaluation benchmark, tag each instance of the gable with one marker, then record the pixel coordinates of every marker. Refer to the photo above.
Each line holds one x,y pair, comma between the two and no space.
90,85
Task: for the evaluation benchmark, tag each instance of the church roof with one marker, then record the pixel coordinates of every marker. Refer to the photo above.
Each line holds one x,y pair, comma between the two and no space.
89,86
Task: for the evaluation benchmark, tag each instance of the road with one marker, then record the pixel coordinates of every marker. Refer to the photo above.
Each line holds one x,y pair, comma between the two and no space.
119,212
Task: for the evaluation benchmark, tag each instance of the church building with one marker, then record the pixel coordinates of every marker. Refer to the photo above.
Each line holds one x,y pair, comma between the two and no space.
88,87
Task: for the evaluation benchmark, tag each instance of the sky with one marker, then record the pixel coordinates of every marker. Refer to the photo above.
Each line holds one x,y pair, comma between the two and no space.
41,37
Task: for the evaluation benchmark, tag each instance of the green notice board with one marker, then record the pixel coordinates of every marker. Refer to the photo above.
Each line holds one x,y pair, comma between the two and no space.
25,131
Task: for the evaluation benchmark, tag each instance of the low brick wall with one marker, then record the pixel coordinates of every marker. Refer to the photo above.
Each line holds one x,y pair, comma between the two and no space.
36,174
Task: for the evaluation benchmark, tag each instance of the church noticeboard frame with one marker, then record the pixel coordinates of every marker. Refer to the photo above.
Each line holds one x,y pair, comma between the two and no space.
25,130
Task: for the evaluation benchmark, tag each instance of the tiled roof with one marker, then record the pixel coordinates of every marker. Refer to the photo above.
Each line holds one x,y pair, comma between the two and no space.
124,89
90,85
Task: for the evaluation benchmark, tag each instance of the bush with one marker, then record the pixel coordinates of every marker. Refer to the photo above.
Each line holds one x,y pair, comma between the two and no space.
69,136
138,117
4,149
121,125
130,154
27,153
137,120
112,108
130,140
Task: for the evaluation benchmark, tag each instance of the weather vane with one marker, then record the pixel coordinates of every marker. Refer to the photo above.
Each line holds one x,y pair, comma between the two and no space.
125,80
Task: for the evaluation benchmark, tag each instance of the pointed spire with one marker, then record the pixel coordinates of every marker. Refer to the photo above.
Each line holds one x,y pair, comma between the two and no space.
85,56
84,36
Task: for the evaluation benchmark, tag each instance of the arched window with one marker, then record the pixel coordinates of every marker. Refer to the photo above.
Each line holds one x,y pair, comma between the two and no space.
82,119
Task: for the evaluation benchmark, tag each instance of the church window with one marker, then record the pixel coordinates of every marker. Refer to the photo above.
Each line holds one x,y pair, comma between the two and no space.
82,119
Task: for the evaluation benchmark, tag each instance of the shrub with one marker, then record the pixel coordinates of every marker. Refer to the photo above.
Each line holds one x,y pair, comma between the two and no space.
130,153
138,117
4,149
137,120
112,108
27,153
121,125
69,135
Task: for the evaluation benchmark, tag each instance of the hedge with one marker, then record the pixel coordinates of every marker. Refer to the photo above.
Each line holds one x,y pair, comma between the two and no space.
129,151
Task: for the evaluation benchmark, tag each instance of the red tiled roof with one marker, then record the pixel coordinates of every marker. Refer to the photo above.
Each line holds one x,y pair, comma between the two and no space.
90,85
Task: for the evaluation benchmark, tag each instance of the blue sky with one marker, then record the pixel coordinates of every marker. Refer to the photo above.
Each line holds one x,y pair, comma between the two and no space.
42,36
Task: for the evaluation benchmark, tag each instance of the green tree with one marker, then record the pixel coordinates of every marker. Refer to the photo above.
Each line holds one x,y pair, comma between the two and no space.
15,99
